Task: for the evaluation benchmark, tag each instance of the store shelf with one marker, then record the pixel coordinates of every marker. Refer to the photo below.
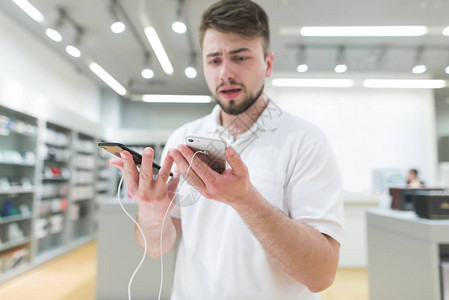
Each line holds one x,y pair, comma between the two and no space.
9,245
59,162
17,164
17,191
5,220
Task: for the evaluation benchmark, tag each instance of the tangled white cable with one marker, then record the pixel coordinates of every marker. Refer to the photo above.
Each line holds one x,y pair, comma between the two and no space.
162,229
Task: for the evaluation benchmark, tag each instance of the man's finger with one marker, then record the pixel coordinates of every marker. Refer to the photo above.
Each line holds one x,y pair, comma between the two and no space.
146,171
164,174
203,171
130,172
183,166
235,161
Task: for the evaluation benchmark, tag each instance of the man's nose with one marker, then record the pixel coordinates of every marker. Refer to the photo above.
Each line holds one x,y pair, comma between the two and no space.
227,71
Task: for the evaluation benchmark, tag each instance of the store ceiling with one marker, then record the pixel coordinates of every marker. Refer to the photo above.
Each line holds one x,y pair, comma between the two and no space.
122,55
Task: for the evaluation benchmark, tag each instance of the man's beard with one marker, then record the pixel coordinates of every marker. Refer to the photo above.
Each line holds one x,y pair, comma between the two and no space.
236,109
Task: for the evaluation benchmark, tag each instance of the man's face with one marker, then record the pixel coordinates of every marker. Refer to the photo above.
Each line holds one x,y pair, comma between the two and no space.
235,69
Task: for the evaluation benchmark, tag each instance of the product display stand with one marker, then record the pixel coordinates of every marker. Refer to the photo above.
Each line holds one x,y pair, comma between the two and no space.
48,188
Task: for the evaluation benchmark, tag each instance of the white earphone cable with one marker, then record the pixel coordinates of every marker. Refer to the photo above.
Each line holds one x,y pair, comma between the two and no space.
143,235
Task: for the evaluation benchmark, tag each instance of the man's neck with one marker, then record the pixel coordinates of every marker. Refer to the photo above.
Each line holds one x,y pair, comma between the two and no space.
239,124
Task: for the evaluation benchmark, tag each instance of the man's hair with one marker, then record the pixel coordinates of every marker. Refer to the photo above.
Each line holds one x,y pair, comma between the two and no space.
242,17
414,171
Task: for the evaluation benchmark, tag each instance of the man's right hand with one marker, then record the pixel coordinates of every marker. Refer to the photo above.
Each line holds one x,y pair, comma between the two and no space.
152,196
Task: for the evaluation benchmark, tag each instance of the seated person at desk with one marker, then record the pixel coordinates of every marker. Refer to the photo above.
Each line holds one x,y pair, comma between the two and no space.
413,181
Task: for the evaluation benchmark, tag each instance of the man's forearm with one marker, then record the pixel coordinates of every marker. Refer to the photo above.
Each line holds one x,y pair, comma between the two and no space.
152,232
307,255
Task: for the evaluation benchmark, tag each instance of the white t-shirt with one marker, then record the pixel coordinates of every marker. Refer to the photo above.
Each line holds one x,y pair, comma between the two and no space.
292,165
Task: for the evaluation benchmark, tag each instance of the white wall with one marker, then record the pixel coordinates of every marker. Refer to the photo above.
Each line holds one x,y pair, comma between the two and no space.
370,128
33,68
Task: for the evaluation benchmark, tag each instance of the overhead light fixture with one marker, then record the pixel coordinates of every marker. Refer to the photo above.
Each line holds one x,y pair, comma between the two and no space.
30,10
117,26
176,98
178,26
366,31
419,66
405,83
52,32
312,82
107,78
446,31
341,66
159,50
301,58
73,49
190,71
147,72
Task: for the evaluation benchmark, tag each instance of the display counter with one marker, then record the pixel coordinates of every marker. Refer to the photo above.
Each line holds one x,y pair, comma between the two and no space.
405,253
119,254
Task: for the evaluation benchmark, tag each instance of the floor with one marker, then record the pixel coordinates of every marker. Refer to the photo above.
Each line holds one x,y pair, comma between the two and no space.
72,277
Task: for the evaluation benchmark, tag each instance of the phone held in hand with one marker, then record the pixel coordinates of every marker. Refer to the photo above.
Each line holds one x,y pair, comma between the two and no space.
116,148
213,147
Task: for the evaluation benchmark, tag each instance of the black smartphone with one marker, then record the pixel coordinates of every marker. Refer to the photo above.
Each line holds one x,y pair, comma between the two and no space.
116,148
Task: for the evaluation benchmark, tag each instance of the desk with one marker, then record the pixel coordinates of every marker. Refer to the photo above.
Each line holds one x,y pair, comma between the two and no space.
404,255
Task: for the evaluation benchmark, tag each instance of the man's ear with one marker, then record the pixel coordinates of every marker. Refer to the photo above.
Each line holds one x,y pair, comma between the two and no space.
269,62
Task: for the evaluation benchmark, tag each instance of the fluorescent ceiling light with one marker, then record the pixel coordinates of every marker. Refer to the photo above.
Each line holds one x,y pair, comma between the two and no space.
301,82
365,31
30,10
176,98
53,34
405,83
156,44
108,79
446,31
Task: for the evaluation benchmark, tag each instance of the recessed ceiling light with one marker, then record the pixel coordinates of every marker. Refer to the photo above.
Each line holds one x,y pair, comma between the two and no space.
147,73
53,34
446,31
73,51
179,27
118,27
302,68
190,72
